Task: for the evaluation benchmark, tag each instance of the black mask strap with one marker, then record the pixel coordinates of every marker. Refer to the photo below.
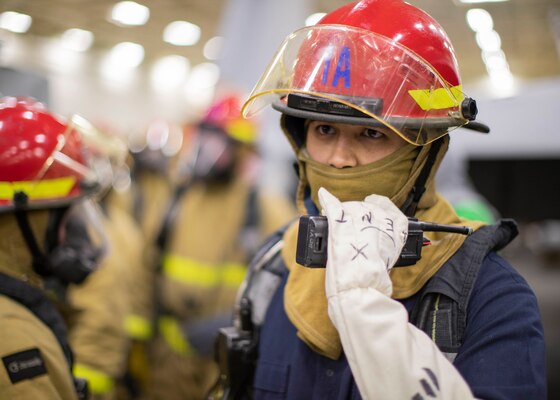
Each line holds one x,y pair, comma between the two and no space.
411,203
70,263
39,262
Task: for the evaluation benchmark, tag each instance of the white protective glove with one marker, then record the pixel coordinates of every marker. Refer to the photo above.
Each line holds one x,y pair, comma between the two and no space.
389,357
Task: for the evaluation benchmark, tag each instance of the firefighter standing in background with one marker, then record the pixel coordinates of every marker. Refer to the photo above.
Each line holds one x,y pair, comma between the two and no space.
50,236
215,220
152,181
146,200
95,310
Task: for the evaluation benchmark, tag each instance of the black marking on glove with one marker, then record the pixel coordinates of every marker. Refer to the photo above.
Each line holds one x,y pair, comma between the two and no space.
359,251
430,390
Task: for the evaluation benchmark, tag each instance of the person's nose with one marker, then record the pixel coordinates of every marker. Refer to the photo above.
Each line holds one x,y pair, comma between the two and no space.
342,154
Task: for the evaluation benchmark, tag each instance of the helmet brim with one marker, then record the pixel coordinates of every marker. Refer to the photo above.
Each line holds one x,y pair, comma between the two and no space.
477,126
433,124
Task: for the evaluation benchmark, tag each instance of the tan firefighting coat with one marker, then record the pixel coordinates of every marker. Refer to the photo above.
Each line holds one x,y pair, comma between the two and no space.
201,268
22,331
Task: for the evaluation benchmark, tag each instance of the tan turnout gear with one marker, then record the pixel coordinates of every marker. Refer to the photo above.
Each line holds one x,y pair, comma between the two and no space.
215,221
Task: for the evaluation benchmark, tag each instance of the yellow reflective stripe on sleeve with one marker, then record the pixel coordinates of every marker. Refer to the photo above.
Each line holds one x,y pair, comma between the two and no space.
190,271
98,382
171,333
233,274
42,190
195,273
438,99
137,327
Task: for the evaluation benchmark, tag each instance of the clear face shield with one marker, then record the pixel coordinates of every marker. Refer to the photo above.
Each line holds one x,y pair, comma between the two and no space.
344,74
77,166
107,153
81,239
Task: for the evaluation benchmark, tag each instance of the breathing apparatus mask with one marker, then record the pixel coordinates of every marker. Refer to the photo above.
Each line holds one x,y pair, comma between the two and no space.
74,242
213,155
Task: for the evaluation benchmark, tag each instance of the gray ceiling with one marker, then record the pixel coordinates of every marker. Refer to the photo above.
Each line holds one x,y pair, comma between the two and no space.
525,26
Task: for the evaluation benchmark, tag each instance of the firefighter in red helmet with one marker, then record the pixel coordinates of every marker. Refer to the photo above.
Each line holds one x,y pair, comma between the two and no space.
381,291
50,233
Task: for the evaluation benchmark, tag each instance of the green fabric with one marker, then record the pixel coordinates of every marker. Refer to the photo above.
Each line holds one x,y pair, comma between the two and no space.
474,210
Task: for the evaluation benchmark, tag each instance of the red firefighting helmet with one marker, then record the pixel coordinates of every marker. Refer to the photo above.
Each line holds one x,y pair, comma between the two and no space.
380,63
44,157
225,113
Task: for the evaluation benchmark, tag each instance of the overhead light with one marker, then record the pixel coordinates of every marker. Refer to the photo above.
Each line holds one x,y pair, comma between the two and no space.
127,54
204,76
213,48
121,60
77,39
479,20
314,18
59,58
489,40
130,13
503,81
169,72
201,85
15,22
490,44
181,33
495,59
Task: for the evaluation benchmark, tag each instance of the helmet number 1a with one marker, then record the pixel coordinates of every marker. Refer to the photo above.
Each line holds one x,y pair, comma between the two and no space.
342,70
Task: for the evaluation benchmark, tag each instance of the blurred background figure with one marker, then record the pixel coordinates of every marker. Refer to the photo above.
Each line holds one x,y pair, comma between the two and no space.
51,237
96,311
152,154
215,220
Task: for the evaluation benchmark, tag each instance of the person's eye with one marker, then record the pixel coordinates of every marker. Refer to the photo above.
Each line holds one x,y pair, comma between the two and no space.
325,130
373,134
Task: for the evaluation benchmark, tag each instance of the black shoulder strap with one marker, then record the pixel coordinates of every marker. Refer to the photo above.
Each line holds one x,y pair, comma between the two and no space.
262,279
252,216
248,236
441,309
37,302
169,217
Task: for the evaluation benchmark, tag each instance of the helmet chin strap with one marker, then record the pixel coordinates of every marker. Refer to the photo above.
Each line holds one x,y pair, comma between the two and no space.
63,262
39,261
419,187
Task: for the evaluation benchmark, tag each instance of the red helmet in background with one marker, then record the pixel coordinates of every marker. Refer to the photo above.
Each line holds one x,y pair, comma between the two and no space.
42,156
380,63
47,163
225,113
